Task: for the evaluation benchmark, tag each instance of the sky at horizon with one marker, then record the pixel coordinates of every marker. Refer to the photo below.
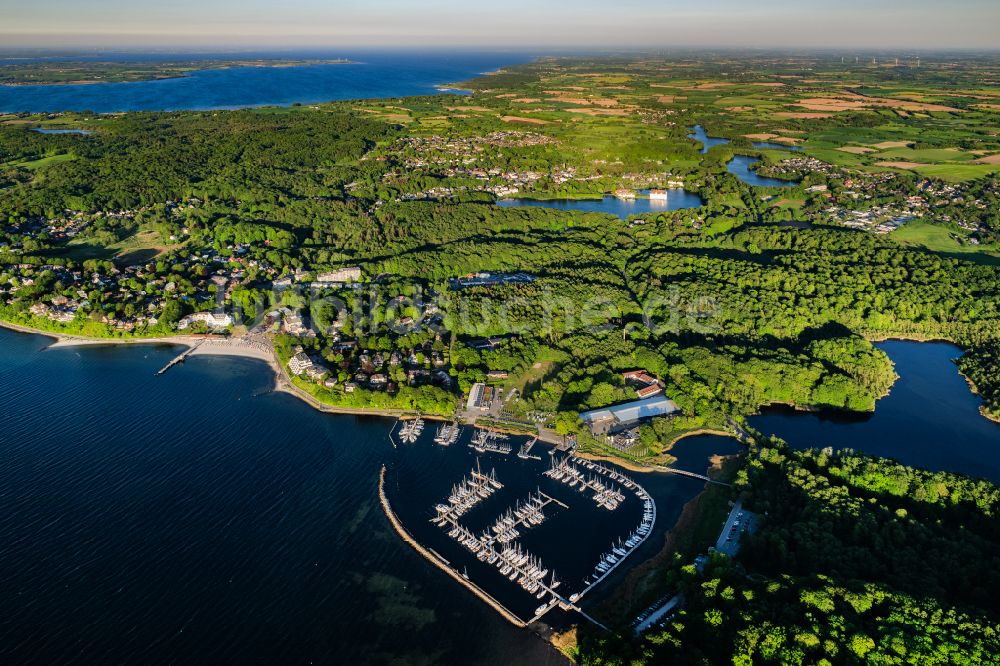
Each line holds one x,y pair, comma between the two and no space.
552,24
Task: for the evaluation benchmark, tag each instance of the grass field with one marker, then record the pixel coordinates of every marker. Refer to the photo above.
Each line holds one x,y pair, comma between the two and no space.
956,173
43,162
139,247
941,239
924,155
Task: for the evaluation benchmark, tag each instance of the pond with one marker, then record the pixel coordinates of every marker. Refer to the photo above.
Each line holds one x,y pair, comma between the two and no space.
44,130
740,166
693,453
930,418
677,199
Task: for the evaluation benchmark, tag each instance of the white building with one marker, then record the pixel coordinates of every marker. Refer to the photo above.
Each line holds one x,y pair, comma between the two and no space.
299,363
607,418
214,320
341,275
475,396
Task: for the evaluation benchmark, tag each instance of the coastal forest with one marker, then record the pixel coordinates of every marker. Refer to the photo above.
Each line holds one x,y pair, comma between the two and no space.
859,560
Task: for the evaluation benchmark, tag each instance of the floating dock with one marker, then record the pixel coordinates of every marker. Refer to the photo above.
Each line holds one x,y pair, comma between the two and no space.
448,434
525,452
466,494
411,430
488,441
605,493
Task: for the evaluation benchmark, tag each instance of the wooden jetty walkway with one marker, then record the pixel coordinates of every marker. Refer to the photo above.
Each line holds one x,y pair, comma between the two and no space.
180,358
692,475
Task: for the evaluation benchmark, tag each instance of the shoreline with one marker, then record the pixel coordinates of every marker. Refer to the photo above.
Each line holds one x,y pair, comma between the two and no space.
625,463
217,346
697,432
995,418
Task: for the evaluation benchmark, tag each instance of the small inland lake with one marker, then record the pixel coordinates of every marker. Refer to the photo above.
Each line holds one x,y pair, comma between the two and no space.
929,419
677,199
740,165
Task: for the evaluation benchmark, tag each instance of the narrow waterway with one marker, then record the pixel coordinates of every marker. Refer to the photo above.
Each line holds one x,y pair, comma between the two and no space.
741,165
929,419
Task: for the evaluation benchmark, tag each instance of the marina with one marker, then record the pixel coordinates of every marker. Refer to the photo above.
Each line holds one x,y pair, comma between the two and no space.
411,431
606,495
466,494
530,536
488,441
525,451
448,434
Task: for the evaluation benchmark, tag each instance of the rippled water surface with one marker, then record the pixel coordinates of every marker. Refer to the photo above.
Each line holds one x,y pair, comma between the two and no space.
196,517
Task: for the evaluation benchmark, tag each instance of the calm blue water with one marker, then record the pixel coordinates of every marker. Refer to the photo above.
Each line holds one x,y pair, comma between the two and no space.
699,134
740,165
376,75
930,419
570,541
42,130
693,453
197,517
676,200
769,145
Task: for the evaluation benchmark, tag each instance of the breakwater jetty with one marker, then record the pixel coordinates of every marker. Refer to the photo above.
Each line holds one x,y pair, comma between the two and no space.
439,561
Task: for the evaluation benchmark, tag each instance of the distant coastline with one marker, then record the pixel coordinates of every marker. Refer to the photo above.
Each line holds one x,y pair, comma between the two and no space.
129,72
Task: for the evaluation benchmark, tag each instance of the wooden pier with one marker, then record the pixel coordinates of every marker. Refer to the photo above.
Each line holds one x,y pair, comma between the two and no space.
525,452
180,358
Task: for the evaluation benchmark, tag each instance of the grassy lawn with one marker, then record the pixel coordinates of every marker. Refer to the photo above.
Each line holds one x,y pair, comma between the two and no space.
956,173
43,162
139,247
732,200
937,238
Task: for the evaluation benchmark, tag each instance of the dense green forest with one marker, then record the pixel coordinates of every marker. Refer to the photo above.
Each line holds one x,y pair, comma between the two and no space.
858,560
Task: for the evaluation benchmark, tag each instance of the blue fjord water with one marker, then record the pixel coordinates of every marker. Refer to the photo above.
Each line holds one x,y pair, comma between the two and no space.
199,517
370,75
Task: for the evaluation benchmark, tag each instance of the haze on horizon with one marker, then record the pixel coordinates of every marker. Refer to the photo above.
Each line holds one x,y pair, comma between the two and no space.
592,24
